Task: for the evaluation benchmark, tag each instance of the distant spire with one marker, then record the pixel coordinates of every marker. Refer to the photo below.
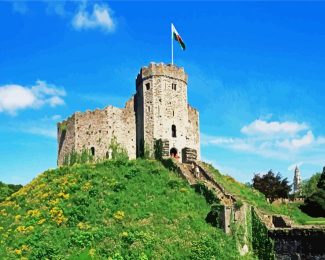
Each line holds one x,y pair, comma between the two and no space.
297,182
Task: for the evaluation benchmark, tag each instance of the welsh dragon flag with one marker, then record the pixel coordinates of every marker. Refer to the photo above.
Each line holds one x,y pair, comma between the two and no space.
177,37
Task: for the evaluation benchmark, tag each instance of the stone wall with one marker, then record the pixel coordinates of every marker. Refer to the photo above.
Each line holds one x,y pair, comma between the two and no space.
66,138
193,130
94,130
299,243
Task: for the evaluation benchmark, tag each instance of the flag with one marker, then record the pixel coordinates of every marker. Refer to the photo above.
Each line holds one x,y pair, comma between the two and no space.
177,37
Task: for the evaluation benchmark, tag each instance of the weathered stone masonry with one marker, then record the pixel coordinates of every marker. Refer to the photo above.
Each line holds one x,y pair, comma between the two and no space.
158,110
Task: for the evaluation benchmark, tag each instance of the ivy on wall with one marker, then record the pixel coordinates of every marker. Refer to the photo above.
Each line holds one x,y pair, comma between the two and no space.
262,243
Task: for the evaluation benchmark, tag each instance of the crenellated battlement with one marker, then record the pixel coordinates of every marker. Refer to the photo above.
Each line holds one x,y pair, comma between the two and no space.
161,69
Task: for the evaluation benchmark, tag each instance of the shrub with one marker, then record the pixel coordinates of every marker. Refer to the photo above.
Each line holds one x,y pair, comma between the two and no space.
213,216
158,149
209,195
174,184
239,203
118,151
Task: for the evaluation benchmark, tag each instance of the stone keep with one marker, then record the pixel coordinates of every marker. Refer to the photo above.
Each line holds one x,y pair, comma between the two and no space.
158,111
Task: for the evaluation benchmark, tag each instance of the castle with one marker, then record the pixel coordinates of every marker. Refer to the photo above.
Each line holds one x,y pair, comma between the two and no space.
158,111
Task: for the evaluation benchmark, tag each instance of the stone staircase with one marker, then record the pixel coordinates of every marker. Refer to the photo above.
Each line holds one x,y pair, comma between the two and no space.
207,179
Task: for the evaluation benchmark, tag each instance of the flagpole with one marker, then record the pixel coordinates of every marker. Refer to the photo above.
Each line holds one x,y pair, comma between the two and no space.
172,44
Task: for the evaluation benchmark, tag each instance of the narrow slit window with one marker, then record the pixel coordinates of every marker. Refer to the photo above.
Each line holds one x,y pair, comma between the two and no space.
174,86
148,86
92,150
173,130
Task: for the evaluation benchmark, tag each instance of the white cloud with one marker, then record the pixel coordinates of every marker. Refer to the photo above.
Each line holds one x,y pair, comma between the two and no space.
16,97
42,130
283,141
55,117
45,126
99,18
261,127
297,143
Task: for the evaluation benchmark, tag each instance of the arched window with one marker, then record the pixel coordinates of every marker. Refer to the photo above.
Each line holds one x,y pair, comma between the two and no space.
92,150
173,130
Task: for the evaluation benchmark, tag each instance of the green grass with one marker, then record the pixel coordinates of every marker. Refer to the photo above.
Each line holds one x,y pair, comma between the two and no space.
258,200
110,210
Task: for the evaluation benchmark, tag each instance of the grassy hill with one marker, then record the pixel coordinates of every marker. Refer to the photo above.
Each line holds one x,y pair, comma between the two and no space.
110,210
257,199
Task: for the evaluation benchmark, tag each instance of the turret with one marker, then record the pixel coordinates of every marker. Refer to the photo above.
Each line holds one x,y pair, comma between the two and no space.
162,108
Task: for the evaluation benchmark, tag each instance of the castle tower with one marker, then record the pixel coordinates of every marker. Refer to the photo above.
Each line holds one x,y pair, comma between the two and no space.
158,111
162,112
297,182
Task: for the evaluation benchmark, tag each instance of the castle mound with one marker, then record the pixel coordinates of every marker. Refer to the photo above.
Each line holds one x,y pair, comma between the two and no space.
131,209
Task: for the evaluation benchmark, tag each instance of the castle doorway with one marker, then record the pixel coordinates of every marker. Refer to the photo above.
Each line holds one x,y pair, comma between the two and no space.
92,151
173,152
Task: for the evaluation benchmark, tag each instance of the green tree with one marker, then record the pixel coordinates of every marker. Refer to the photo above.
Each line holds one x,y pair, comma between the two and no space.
309,186
271,185
315,204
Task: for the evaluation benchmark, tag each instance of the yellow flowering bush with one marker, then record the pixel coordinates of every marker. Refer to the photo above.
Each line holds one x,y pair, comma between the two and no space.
92,252
124,234
24,229
34,213
44,195
57,215
41,221
18,251
119,215
87,186
54,202
82,225
3,212
63,195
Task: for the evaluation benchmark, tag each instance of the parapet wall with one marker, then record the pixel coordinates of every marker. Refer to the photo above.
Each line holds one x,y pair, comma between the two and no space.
160,69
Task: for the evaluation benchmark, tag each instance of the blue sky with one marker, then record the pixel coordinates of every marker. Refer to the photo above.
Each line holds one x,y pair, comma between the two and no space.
256,74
